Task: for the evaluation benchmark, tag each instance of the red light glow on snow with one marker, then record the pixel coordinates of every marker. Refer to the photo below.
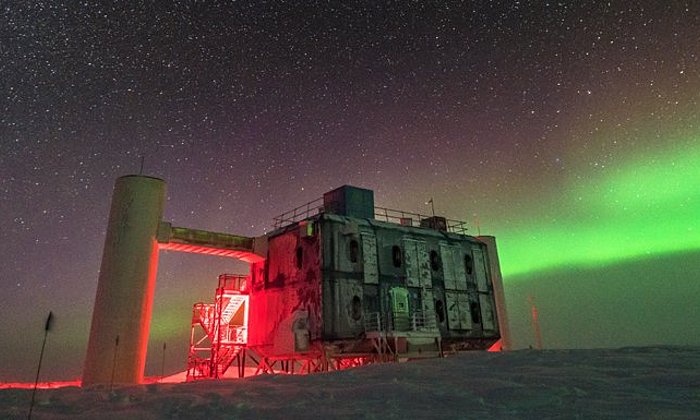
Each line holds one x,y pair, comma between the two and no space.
40,385
172,379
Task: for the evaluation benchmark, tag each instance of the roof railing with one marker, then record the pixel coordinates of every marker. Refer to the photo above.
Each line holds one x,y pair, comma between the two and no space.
406,218
384,214
302,212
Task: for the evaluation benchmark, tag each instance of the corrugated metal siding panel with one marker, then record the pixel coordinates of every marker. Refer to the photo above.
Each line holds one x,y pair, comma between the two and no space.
447,266
410,255
427,302
369,258
453,266
487,319
460,273
458,311
465,317
453,320
348,317
480,270
424,264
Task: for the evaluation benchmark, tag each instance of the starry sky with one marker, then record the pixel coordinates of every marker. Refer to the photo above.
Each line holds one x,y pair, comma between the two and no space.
569,130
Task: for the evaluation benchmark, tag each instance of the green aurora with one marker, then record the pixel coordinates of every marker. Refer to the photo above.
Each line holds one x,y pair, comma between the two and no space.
647,206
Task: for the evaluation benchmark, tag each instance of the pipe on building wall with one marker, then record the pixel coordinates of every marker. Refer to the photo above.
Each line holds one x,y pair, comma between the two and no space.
499,293
122,314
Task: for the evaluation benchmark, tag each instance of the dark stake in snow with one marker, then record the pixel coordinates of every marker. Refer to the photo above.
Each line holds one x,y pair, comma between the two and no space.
47,327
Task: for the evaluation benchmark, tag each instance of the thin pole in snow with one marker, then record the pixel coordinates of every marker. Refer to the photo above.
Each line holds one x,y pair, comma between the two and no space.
535,323
162,365
114,362
47,327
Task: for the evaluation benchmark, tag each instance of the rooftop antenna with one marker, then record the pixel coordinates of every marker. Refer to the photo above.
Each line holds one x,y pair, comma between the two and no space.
432,205
143,158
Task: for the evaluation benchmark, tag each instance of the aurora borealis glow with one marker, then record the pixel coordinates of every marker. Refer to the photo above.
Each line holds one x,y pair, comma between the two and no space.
568,130
648,206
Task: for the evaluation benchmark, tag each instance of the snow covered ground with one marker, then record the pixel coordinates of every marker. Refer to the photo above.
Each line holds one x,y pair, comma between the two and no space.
647,382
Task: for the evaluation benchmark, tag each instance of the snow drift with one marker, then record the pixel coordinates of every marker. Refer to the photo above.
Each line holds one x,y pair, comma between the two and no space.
658,382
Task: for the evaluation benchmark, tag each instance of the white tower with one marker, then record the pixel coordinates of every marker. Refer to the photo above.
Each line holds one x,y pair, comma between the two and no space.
122,313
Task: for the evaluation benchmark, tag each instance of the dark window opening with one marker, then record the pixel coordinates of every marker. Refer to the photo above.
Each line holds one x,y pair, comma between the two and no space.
396,255
354,251
356,308
300,257
474,309
434,260
468,264
440,311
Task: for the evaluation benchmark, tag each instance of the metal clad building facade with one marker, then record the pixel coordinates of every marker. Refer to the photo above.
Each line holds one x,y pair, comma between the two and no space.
338,277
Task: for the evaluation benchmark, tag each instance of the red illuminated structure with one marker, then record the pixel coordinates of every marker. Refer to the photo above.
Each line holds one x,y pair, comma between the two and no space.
338,283
345,283
136,234
219,340
224,324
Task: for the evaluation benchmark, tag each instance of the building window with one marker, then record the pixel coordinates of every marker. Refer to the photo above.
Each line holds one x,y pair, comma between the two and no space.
356,308
434,260
474,309
440,311
300,257
354,250
468,264
396,255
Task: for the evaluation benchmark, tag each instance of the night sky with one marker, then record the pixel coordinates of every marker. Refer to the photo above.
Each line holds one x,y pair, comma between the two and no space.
569,130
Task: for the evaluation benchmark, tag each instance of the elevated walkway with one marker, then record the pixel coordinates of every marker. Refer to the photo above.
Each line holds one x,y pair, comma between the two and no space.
171,238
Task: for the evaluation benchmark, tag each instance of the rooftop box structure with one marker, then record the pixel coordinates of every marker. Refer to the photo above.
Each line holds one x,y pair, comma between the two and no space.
350,201
435,222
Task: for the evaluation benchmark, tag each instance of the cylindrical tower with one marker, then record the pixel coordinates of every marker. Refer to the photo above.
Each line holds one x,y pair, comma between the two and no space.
121,318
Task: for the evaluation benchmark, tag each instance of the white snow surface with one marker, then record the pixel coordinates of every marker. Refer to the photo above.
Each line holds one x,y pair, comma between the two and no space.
645,382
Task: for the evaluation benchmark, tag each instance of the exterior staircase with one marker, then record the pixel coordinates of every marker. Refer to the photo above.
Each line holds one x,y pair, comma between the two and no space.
222,342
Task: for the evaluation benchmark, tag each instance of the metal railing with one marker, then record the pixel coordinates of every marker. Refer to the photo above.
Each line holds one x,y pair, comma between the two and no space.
232,282
373,322
406,218
203,313
399,217
297,214
417,321
234,334
424,321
